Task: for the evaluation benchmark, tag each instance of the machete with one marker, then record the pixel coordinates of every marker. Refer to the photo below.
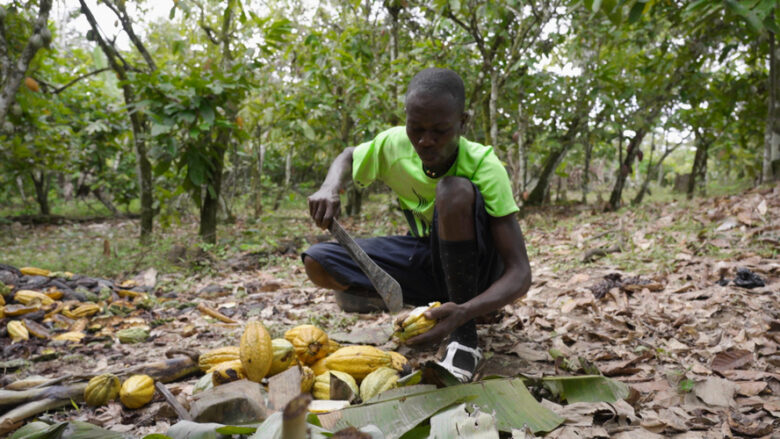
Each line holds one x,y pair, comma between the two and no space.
387,287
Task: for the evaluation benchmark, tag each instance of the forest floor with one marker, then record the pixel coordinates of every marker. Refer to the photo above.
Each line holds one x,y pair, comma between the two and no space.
657,309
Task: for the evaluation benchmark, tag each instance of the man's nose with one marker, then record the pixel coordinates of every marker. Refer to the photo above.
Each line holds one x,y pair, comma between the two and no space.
427,139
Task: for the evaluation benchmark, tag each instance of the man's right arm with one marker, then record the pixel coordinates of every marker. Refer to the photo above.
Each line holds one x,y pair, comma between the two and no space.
324,204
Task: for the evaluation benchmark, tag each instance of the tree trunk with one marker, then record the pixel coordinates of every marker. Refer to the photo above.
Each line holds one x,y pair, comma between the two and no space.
615,199
41,184
210,206
772,134
699,170
493,107
541,190
20,186
13,71
105,199
257,187
137,120
642,190
586,171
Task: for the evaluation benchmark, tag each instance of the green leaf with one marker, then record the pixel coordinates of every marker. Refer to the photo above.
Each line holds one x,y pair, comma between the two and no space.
232,429
158,129
586,388
747,14
636,12
196,169
207,113
308,132
508,398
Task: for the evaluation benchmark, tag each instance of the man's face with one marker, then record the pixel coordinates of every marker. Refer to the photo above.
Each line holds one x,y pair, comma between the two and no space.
433,124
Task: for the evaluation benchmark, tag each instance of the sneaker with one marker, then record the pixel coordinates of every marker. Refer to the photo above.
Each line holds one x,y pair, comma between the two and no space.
359,301
461,361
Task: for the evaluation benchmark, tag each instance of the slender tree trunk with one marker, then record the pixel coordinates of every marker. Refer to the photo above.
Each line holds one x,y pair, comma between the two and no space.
20,186
642,190
541,190
105,199
137,120
493,106
699,170
288,168
394,8
41,183
257,187
624,169
210,206
12,72
586,171
772,135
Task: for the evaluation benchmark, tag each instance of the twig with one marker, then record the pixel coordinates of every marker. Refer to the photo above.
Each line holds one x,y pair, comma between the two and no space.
177,407
202,307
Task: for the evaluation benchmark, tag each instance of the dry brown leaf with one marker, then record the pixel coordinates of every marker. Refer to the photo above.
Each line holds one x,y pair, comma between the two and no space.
732,359
716,391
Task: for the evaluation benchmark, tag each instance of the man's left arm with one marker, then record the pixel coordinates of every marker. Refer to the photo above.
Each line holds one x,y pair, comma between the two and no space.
513,283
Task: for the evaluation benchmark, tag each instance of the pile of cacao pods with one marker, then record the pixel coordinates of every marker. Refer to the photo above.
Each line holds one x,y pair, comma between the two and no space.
366,370
61,306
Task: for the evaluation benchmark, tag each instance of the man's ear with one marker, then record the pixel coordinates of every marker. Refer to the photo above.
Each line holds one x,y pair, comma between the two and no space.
464,119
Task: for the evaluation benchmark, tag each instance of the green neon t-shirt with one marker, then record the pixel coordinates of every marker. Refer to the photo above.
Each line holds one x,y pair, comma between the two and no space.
390,158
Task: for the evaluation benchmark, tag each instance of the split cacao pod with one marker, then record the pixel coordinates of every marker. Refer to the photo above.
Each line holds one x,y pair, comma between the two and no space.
415,323
284,356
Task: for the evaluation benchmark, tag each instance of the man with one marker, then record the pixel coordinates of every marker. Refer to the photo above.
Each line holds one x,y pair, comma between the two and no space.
465,248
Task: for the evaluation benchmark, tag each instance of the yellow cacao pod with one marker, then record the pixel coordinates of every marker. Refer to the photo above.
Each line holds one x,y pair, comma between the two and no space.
33,271
310,342
321,388
415,323
284,356
226,372
307,379
18,310
358,361
333,346
255,351
101,389
384,378
319,366
137,391
71,336
215,356
28,297
17,331
398,361
85,310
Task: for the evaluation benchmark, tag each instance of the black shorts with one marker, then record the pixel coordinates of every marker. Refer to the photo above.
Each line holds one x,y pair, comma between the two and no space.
413,262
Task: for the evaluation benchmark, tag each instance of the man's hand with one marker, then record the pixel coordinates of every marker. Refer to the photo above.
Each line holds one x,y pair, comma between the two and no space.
324,205
449,316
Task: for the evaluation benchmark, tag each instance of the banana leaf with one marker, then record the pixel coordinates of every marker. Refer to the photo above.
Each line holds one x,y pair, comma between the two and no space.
64,430
511,402
586,388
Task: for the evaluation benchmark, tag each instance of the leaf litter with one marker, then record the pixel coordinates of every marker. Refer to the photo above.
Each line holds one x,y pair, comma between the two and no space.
700,357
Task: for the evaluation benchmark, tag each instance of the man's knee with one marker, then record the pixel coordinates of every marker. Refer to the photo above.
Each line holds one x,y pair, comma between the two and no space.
319,276
455,195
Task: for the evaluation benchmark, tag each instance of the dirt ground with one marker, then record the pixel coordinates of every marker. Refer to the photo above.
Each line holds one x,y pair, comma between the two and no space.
656,306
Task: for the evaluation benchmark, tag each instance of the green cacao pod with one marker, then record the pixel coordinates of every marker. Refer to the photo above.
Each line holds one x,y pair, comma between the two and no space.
384,378
284,356
137,334
101,389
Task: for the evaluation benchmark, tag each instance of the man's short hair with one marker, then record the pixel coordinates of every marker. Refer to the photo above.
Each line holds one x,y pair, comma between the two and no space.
436,81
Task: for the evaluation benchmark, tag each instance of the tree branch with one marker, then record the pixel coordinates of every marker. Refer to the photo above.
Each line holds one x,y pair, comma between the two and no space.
127,25
86,75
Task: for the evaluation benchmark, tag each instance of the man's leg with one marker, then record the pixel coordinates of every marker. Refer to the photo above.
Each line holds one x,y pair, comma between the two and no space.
405,258
319,276
458,254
